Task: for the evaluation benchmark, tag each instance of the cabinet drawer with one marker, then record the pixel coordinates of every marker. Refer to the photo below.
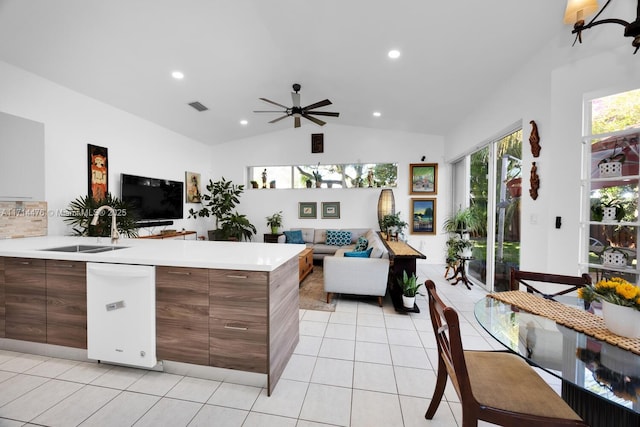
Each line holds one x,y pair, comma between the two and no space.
2,303
66,268
238,345
240,290
25,299
239,277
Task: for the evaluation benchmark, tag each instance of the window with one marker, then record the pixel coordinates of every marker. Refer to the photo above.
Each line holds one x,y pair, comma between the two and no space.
610,224
357,175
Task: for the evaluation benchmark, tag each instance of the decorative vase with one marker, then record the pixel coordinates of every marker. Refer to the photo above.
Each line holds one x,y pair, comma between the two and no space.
608,214
614,259
466,253
621,320
274,229
408,302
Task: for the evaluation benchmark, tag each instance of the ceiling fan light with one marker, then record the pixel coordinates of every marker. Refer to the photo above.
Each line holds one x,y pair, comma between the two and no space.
579,10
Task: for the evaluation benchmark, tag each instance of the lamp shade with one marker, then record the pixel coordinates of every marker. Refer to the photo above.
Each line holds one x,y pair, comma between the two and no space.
579,10
386,204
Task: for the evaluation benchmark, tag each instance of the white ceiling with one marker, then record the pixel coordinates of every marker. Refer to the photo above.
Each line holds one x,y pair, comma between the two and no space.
232,52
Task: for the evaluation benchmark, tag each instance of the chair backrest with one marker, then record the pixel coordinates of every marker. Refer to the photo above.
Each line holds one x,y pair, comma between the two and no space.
519,277
446,327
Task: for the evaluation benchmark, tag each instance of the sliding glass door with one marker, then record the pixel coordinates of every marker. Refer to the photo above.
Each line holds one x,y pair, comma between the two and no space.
489,181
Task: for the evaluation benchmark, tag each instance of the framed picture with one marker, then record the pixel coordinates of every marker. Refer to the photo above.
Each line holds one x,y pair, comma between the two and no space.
424,178
98,172
330,210
423,216
193,187
317,143
307,210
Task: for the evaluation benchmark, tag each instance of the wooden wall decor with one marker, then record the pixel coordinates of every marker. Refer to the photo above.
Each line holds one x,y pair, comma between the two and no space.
98,167
534,139
535,181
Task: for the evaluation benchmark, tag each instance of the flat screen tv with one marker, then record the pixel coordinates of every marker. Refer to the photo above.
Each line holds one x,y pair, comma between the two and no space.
153,198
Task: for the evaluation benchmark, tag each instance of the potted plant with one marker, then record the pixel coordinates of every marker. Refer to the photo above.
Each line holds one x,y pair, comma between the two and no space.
620,304
612,209
80,213
463,221
612,165
219,202
275,221
614,256
237,227
254,184
410,286
318,178
392,225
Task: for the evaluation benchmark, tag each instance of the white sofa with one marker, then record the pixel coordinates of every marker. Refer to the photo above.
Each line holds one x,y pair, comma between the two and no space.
316,238
358,276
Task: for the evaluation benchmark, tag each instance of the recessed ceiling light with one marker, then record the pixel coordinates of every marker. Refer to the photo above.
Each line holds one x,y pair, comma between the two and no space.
244,122
377,114
394,54
178,75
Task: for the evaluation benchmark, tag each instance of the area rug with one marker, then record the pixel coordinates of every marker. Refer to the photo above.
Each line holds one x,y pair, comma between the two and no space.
312,295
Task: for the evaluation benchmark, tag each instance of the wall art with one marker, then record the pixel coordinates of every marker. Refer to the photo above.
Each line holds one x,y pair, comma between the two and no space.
98,172
423,216
424,178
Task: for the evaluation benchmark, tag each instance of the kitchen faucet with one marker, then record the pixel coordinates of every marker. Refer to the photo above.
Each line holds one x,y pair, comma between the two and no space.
114,228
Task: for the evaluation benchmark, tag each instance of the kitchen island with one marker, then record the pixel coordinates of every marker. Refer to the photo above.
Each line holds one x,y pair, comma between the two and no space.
228,306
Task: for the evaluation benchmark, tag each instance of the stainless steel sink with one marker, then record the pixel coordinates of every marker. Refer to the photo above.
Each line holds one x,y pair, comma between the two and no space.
85,249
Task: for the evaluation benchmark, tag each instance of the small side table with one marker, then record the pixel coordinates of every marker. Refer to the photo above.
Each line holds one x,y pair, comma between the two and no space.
271,238
460,273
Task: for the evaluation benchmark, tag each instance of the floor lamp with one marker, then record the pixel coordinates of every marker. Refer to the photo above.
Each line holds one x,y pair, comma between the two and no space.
386,205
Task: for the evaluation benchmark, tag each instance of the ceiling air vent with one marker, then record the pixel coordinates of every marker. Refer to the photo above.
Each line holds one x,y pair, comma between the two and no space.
198,106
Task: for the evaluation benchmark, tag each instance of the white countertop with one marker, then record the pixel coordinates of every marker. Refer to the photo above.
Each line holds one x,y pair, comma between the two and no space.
177,253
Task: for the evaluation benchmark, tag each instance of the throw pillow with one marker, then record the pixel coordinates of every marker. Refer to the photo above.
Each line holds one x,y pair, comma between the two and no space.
361,244
294,236
338,237
359,254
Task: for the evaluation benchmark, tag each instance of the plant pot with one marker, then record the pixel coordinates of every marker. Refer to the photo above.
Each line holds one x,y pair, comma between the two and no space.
465,253
308,184
623,321
609,169
274,230
609,214
515,187
408,302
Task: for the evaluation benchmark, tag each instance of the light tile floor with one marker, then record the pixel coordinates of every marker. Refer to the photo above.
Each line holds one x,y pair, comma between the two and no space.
360,366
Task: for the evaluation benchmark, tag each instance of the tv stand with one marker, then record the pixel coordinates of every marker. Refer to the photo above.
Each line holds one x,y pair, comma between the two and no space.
176,235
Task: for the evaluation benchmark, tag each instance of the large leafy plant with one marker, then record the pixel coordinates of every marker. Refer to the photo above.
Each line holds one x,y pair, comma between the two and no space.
80,213
409,284
615,290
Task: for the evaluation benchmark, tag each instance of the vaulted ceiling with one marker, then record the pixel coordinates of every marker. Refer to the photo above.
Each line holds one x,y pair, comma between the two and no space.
232,52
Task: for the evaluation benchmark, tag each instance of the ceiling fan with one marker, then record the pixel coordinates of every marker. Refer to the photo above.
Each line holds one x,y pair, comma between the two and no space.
297,111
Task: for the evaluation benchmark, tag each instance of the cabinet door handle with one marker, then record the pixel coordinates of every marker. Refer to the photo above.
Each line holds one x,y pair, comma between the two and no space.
238,276
237,328
63,265
25,262
180,273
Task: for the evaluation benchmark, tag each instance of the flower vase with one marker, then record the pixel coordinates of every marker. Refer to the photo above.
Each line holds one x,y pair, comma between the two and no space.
621,320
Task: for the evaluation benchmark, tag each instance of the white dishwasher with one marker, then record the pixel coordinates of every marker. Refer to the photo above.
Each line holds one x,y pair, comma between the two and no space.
121,314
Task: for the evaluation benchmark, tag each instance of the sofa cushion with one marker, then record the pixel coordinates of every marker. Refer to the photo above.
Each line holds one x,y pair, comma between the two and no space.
361,244
319,235
338,237
294,236
377,248
359,254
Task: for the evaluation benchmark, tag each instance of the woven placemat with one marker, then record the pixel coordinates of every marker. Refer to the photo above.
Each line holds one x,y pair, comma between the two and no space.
571,317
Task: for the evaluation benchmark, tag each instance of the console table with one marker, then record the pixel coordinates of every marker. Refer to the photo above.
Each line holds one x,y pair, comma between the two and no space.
402,257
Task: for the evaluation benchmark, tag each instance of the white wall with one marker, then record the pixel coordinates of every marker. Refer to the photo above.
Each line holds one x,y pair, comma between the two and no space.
73,120
342,144
549,89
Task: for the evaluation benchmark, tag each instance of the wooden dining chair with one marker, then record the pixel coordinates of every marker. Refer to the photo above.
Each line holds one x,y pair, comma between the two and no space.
519,277
494,386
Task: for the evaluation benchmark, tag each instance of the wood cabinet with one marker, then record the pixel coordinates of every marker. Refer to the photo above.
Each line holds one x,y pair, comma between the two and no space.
25,299
2,305
182,314
305,263
238,319
270,237
66,285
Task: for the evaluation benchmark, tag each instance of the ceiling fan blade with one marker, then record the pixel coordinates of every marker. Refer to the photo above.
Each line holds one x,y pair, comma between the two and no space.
296,123
295,97
313,119
278,119
323,113
317,105
274,103
270,111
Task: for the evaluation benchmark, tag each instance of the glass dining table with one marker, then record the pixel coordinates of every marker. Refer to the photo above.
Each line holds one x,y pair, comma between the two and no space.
601,382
